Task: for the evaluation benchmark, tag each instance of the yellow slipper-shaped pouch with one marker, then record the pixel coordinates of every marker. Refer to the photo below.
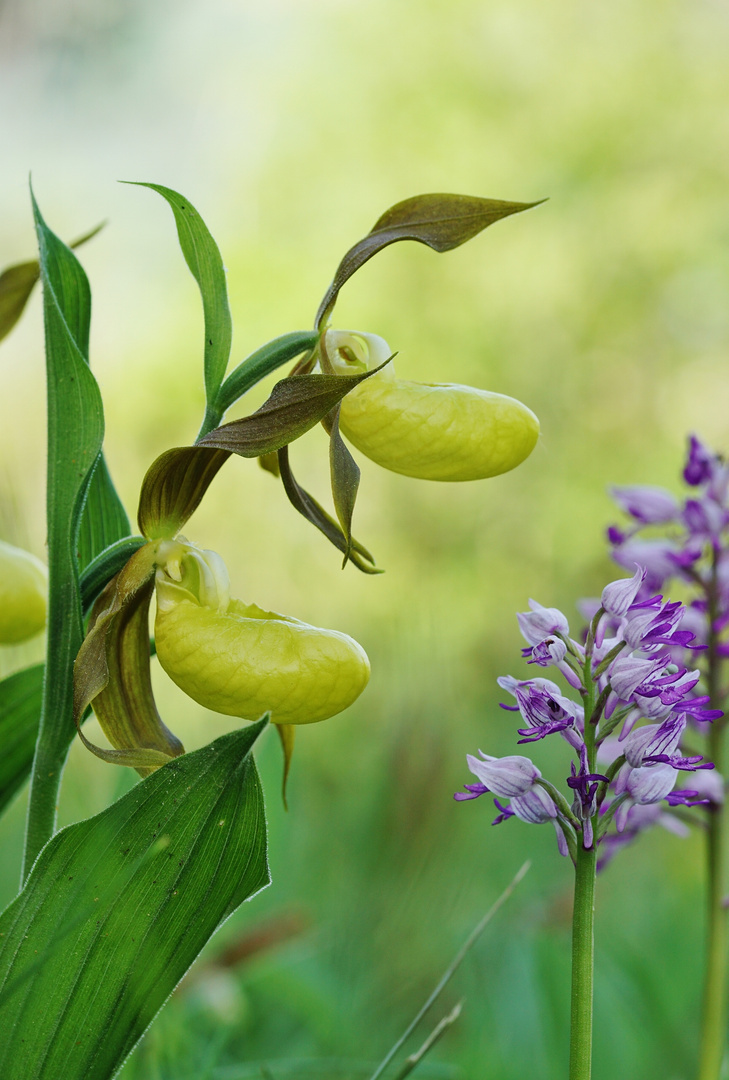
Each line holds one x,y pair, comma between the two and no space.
23,591
237,659
432,431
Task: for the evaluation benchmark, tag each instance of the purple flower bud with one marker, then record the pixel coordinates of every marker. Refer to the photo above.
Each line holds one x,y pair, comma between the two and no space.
653,739
704,518
615,535
541,622
628,672
544,711
535,806
649,505
699,464
619,595
547,653
507,777
650,784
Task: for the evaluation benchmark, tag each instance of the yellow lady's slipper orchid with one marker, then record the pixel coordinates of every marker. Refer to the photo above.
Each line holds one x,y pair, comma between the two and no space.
432,431
23,591
235,658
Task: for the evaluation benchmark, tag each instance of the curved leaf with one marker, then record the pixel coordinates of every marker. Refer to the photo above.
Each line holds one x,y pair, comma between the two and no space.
75,434
118,907
21,695
17,282
443,222
206,266
177,481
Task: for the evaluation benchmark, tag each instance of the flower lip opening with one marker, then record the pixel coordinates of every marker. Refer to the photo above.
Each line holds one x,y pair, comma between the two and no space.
201,574
352,352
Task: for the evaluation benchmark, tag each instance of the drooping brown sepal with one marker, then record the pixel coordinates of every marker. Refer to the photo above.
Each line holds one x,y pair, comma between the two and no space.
112,672
177,481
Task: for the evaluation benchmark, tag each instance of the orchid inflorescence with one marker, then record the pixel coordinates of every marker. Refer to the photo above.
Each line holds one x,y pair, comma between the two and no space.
624,769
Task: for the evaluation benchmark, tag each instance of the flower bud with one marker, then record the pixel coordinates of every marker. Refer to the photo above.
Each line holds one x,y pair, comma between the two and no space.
237,659
23,590
432,431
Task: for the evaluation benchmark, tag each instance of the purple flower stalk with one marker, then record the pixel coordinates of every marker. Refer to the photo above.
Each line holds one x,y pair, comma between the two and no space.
629,685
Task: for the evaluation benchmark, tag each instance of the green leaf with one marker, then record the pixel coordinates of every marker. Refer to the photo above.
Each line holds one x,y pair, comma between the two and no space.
75,435
104,520
441,221
20,705
16,285
118,907
105,566
206,266
255,367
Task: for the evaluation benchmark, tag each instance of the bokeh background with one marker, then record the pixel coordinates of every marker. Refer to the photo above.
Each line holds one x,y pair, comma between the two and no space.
292,125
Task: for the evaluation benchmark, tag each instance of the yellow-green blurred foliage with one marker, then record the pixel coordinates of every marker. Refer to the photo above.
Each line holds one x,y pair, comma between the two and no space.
291,125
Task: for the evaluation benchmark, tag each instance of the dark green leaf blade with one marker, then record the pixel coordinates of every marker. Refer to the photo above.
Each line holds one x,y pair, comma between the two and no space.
75,435
206,266
262,362
17,282
104,520
441,221
21,695
119,906
105,566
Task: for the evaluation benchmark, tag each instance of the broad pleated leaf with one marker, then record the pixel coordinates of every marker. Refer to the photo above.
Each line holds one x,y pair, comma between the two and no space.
441,221
16,285
206,266
309,508
20,706
118,907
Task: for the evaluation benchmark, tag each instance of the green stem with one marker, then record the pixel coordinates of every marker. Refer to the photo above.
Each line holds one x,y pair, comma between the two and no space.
714,997
713,1014
583,963
583,918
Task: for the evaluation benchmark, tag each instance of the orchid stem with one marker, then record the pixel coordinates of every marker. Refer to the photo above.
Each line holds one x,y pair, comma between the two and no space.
583,963
713,1013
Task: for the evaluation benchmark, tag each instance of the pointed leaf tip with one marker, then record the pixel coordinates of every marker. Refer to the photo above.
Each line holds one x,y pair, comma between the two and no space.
441,221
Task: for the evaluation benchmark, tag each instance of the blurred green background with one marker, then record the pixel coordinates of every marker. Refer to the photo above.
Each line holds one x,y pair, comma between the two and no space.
292,126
